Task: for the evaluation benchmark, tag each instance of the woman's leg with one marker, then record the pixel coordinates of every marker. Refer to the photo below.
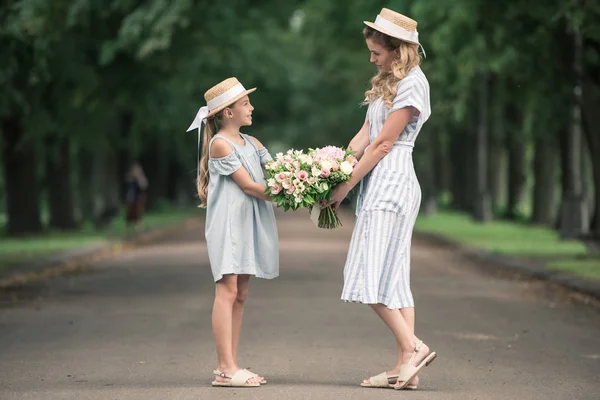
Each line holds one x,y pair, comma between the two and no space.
222,322
408,314
403,332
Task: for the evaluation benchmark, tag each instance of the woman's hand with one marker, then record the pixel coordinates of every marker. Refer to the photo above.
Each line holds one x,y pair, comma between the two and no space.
339,194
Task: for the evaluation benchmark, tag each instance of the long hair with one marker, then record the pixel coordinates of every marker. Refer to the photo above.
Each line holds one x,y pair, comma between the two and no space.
384,84
210,129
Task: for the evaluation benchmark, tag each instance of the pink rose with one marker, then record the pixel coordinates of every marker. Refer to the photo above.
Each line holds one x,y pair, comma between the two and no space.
291,189
325,173
276,189
302,175
335,166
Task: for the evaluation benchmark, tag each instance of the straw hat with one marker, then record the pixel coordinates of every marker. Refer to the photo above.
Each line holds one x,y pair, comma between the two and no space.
218,97
396,25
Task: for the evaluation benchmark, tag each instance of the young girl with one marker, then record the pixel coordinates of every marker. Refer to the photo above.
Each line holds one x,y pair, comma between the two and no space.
241,232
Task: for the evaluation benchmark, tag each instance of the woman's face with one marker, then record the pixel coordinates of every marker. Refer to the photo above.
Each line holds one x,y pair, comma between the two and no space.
380,56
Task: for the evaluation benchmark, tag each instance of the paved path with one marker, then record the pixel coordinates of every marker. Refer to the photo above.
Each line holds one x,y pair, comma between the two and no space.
137,326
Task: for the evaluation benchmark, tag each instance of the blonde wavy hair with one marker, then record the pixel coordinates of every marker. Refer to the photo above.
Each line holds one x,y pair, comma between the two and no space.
385,83
210,130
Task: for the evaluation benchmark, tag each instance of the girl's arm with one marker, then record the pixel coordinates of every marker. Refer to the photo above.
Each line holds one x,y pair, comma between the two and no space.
220,148
360,141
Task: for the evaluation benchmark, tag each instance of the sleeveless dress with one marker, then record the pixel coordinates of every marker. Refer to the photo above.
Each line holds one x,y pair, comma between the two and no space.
241,231
377,267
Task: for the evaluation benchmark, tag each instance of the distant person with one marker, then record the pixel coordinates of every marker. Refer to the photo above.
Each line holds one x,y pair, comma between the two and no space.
135,195
377,270
241,231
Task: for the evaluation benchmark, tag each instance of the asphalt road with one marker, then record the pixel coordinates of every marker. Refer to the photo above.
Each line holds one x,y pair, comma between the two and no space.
137,326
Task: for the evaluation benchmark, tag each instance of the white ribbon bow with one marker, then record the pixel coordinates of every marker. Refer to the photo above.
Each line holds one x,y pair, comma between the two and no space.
197,124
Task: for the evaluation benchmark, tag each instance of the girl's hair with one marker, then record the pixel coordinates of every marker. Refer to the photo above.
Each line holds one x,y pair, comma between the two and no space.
384,84
210,130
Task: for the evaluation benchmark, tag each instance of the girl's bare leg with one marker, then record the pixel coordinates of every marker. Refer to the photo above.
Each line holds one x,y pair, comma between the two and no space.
222,322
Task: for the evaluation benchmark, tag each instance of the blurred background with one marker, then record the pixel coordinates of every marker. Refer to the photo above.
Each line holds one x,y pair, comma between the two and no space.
89,87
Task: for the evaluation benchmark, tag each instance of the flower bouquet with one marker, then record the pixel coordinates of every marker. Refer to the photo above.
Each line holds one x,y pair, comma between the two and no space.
297,179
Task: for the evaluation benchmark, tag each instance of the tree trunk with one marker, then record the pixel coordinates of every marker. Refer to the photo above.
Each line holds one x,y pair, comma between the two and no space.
58,183
441,165
591,105
462,175
85,184
497,150
574,217
22,189
482,212
544,189
124,157
156,165
517,169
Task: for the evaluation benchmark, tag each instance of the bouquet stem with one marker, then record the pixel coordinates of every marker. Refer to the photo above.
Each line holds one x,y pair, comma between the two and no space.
328,219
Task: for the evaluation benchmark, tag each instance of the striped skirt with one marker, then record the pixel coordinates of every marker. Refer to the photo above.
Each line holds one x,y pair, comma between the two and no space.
377,268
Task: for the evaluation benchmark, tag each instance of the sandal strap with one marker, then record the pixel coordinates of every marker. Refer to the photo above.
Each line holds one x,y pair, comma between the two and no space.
222,374
381,380
414,353
241,377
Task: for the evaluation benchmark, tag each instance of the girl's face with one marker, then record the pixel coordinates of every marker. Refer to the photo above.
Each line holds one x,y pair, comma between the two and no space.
380,56
240,113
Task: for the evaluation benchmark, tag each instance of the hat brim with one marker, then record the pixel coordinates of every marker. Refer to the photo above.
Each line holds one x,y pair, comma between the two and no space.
230,102
378,28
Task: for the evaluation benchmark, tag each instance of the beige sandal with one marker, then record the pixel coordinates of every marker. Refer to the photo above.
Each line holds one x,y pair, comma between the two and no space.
239,379
383,380
409,371
263,382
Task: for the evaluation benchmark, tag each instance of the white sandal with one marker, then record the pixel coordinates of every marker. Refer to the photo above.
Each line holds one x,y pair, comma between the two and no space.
409,371
262,382
381,381
239,379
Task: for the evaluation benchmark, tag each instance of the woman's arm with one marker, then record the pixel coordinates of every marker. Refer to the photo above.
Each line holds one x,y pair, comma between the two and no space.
379,148
360,141
220,148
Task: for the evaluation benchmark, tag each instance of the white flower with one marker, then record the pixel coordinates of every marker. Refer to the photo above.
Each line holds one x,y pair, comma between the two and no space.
346,167
316,172
296,182
279,156
311,181
271,182
286,184
298,199
326,164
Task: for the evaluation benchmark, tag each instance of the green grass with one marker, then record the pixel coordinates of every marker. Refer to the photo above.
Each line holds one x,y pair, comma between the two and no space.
18,250
589,268
514,239
500,236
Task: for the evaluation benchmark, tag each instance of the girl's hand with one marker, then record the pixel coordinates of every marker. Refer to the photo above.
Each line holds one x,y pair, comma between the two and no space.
339,194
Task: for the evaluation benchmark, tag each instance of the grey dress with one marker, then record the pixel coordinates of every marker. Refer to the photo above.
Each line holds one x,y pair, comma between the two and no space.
241,232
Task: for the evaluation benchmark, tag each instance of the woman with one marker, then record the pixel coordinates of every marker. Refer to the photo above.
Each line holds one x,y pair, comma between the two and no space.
135,198
377,270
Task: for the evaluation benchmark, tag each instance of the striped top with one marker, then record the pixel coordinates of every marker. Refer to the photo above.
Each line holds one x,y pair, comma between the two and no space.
412,91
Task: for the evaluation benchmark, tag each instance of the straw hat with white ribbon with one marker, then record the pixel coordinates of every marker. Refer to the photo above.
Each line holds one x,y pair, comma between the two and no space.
396,25
219,97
